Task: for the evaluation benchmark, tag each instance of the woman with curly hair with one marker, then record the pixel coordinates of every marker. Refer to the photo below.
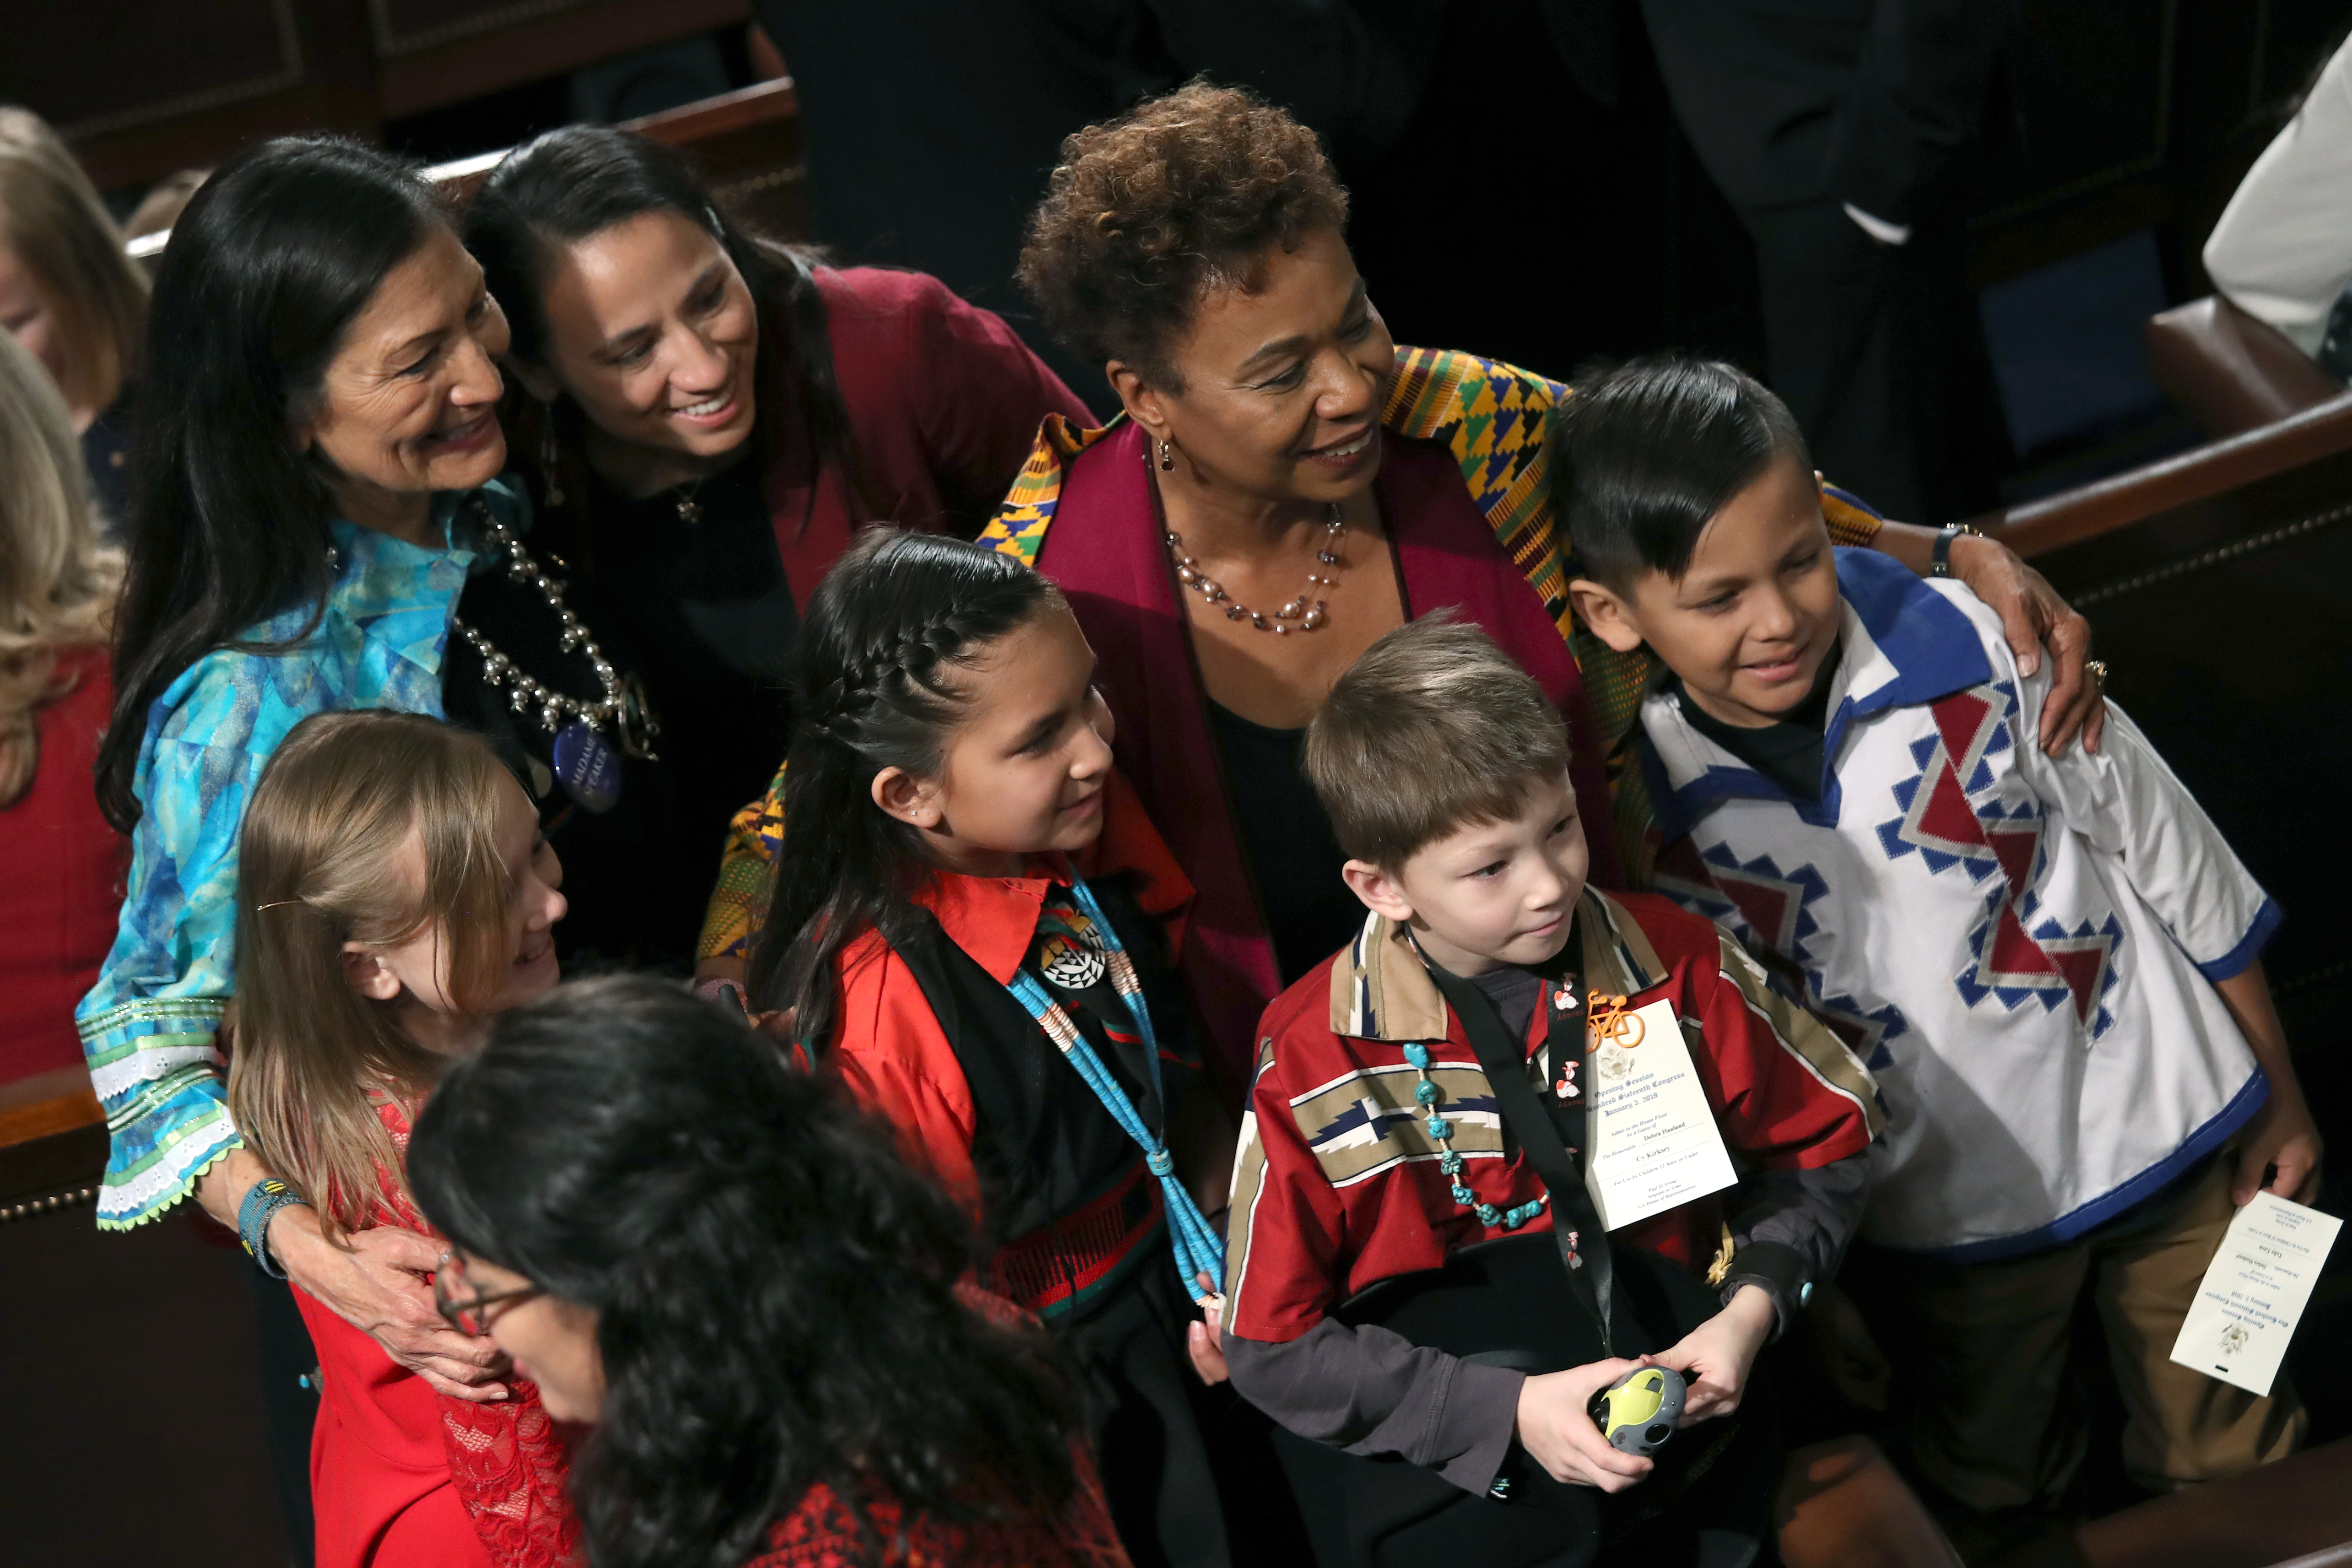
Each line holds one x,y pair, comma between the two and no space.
725,1267
1286,485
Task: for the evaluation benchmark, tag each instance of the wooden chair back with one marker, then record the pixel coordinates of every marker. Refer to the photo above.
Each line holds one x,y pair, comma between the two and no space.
2214,582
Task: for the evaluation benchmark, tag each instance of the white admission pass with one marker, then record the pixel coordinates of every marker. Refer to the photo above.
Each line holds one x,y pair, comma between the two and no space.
2254,1292
1652,1132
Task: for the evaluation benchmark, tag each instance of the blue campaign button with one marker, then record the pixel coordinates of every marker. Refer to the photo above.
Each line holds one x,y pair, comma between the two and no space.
589,770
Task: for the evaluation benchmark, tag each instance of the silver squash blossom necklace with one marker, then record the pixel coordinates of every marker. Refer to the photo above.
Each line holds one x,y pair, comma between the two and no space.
584,763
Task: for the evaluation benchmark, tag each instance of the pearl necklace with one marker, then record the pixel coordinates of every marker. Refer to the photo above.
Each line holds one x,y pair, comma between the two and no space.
622,707
1310,618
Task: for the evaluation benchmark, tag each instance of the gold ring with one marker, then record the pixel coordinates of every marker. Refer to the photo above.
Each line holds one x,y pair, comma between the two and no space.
2098,671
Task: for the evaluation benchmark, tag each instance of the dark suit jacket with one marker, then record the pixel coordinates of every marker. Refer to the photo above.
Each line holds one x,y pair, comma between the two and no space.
1865,101
932,124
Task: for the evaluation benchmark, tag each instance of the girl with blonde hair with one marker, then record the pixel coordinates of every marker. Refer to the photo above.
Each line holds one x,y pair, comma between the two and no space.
69,292
56,603
395,894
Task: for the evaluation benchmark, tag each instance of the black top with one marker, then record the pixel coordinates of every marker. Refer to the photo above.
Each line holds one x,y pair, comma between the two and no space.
706,607
1044,1145
1788,752
632,900
1309,912
104,448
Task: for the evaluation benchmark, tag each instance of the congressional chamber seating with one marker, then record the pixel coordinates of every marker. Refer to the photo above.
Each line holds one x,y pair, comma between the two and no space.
2230,371
747,143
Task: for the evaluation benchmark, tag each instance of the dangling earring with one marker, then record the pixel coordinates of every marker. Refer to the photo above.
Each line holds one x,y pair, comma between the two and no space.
1167,457
547,454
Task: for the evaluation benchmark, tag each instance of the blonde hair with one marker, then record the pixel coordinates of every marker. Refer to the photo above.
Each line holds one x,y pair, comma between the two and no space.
320,863
57,584
51,218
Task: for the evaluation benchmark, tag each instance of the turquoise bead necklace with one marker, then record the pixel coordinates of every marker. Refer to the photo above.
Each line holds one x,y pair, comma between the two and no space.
1441,1132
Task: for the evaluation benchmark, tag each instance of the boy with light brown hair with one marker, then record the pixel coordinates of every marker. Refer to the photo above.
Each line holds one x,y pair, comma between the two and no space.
1417,1273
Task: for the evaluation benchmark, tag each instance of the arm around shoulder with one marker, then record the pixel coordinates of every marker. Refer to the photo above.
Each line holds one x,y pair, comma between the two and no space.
985,394
150,1025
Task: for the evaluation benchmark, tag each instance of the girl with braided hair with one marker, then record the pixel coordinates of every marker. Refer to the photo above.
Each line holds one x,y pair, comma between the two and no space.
971,891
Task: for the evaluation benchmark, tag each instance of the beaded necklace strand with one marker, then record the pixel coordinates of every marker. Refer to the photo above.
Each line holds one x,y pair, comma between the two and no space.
1441,1132
1199,1249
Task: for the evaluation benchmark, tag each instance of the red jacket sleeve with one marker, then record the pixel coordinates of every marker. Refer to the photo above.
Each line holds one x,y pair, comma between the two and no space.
1786,1091
984,396
894,1059
511,1468
1286,1230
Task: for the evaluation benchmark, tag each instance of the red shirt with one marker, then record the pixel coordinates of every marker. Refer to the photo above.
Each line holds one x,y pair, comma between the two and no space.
1336,1187
824,1532
892,1054
402,1477
63,889
944,402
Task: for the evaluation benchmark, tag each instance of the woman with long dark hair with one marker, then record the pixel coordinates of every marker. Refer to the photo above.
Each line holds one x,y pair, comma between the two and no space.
711,416
313,481
726,1267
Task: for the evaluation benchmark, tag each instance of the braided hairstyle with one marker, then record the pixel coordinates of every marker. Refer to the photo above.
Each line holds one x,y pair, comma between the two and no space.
871,689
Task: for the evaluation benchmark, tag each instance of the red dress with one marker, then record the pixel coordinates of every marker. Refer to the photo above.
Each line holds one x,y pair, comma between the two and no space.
402,1477
822,1531
63,887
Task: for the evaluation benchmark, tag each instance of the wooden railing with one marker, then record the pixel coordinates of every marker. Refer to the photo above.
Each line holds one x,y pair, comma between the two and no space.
746,144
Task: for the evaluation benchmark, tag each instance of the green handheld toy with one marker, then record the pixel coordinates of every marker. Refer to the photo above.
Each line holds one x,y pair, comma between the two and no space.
1637,1412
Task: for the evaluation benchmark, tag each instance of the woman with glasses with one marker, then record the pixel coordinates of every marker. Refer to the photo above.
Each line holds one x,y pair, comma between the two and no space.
727,1268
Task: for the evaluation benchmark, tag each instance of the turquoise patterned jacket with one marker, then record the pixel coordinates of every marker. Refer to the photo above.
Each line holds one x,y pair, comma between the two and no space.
148,1027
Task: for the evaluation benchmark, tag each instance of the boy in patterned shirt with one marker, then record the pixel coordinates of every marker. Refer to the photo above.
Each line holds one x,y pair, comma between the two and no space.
2050,960
1445,773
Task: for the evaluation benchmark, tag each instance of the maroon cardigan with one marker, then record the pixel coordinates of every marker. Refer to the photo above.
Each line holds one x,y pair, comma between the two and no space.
944,402
1106,553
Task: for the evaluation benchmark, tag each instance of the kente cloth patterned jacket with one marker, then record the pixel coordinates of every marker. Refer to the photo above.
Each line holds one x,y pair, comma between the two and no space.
1484,428
149,1027
1337,1185
2022,947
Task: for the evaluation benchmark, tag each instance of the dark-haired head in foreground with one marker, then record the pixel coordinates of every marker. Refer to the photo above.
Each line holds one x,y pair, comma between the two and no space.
727,1268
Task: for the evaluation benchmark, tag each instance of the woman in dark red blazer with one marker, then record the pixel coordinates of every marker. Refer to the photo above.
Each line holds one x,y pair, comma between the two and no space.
64,881
712,415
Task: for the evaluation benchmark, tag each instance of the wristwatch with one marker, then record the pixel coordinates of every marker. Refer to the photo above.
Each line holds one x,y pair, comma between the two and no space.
1939,562
262,1202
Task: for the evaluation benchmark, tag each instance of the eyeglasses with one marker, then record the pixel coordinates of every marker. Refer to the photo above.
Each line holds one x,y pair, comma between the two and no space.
463,1307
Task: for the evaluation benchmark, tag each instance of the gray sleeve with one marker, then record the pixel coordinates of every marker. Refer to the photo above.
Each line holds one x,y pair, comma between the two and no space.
1812,1214
1370,1391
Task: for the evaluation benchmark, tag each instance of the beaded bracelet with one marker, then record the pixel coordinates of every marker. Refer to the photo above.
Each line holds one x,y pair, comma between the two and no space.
262,1202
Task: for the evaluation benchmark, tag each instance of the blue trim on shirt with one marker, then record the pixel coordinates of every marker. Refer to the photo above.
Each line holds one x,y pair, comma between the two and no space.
1929,641
2250,947
377,642
2147,1185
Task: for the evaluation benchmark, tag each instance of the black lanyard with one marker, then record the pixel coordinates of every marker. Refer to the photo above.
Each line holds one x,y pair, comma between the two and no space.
1583,1242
